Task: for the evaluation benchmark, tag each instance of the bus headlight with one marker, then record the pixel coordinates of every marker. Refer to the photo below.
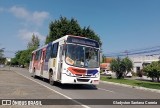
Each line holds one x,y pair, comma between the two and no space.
69,73
97,74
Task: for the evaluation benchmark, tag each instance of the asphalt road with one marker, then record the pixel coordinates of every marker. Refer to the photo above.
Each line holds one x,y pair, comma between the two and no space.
20,82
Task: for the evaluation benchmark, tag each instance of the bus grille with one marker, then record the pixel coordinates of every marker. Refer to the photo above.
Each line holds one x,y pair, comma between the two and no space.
83,75
82,80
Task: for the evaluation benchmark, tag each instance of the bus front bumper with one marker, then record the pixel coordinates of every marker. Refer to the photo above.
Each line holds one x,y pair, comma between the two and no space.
79,80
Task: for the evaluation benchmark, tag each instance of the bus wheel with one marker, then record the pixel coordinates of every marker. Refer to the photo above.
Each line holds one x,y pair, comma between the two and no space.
51,81
34,73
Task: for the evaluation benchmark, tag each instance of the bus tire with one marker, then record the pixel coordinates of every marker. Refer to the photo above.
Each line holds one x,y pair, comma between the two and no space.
51,81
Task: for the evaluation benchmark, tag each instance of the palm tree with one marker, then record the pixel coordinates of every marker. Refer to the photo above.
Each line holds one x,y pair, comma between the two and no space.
120,66
117,66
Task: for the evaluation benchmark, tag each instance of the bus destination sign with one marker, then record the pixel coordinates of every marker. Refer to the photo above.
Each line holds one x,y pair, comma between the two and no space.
83,41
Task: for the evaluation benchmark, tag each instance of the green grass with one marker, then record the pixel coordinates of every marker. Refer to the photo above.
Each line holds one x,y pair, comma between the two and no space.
146,84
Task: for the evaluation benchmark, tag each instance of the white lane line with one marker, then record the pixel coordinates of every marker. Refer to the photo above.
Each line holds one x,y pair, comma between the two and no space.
54,90
106,90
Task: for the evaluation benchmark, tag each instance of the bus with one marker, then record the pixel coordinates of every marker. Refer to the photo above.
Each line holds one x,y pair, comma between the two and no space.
68,60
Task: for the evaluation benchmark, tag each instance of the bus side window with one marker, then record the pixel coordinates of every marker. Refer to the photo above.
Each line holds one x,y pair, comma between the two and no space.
39,55
48,53
36,56
55,50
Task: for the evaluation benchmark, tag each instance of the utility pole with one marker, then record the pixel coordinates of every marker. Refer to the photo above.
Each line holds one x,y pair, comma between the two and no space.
126,52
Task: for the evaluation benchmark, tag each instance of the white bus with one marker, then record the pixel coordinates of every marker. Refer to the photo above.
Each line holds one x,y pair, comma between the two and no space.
68,60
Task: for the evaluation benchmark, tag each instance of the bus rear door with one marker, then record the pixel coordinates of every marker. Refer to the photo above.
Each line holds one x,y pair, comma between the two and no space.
60,62
42,60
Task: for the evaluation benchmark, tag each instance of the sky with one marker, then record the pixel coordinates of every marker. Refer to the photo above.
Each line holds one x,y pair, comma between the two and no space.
121,24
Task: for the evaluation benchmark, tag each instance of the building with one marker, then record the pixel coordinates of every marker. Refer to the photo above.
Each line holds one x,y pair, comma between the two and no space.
106,64
8,60
140,61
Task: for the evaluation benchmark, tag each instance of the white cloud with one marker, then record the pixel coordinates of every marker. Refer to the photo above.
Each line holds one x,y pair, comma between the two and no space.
33,17
19,12
26,35
39,17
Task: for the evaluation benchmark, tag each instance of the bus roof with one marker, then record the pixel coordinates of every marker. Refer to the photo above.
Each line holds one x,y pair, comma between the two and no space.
74,37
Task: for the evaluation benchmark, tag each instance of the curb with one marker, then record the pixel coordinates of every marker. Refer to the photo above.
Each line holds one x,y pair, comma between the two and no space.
129,86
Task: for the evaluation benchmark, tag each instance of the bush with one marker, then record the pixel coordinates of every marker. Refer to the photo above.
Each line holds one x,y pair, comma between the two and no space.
153,70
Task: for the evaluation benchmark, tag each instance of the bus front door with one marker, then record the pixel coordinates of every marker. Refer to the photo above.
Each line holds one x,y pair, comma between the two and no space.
60,62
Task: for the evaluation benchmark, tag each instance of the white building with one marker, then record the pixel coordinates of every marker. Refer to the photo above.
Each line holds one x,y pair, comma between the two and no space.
138,61
7,60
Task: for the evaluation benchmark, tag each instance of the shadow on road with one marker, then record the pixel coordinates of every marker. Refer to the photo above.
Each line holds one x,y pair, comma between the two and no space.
76,86
71,86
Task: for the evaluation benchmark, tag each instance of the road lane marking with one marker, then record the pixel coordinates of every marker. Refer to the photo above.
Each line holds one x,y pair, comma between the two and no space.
54,90
106,90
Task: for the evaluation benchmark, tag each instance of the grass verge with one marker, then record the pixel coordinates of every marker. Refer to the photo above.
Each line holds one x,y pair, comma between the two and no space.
146,84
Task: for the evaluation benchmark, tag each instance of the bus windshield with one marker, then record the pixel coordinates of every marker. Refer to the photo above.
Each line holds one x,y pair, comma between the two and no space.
82,56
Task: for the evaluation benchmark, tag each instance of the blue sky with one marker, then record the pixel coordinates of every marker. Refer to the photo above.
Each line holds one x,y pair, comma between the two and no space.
121,24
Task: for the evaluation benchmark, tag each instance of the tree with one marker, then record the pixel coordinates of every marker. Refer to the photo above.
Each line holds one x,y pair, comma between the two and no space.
89,33
117,66
2,59
1,52
16,59
64,26
153,70
120,66
23,57
127,64
34,43
103,58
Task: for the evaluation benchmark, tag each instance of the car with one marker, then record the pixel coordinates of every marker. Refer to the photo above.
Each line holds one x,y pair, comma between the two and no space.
21,66
129,74
107,72
1,65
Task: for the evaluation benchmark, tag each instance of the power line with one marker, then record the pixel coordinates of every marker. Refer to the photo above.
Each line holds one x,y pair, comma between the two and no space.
148,50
